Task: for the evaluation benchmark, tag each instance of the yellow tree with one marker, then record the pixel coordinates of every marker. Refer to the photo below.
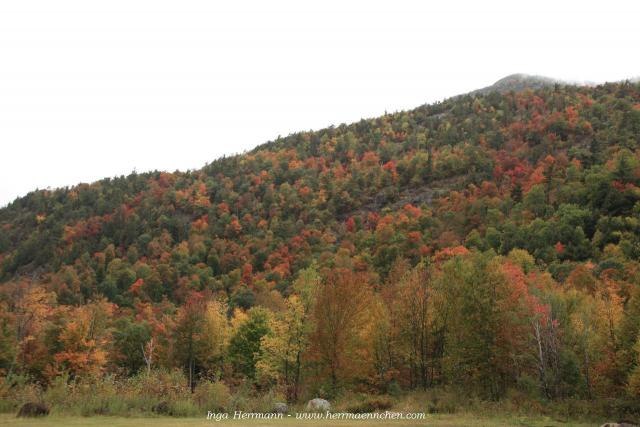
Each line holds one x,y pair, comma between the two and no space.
283,347
583,325
8,343
340,312
595,321
609,307
213,338
633,385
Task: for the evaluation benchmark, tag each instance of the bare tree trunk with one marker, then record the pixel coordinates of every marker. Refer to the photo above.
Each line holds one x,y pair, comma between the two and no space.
191,384
148,354
541,361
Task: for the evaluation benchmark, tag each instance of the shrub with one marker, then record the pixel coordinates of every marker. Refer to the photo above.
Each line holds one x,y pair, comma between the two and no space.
110,396
266,402
162,408
370,404
60,394
16,390
212,396
184,408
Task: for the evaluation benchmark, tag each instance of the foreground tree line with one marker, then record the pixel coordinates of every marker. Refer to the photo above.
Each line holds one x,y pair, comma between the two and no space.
470,319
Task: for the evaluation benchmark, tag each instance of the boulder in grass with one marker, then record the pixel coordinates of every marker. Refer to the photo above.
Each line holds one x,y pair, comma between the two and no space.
318,405
280,408
33,409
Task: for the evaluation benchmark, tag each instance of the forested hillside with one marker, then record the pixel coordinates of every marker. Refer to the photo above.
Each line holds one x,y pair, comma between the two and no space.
489,242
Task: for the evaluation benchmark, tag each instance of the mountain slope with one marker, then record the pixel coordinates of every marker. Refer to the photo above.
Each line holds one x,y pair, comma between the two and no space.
283,204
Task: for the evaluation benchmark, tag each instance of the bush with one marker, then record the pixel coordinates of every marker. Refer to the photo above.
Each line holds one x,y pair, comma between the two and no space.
162,408
184,408
433,401
16,390
60,393
267,401
160,384
363,403
445,404
246,399
371,404
110,396
212,396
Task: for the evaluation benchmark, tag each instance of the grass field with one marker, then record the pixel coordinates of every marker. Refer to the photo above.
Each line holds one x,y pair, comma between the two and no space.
431,420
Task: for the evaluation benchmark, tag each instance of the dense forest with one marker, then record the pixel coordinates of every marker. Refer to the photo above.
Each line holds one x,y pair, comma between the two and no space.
489,243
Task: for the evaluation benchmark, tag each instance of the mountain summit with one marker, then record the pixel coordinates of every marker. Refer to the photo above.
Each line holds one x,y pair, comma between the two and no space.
519,82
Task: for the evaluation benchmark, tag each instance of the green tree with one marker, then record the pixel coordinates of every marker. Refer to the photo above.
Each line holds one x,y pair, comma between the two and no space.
129,338
244,346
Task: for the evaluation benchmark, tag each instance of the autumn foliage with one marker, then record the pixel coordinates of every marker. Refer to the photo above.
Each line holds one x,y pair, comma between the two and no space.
487,243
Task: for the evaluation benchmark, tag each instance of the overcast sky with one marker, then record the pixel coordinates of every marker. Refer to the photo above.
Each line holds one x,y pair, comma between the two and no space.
90,89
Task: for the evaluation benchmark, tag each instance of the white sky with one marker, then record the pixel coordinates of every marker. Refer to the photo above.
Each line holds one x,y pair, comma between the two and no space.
90,89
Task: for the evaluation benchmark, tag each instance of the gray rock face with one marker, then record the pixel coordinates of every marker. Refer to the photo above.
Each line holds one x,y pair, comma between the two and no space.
318,405
280,408
621,424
